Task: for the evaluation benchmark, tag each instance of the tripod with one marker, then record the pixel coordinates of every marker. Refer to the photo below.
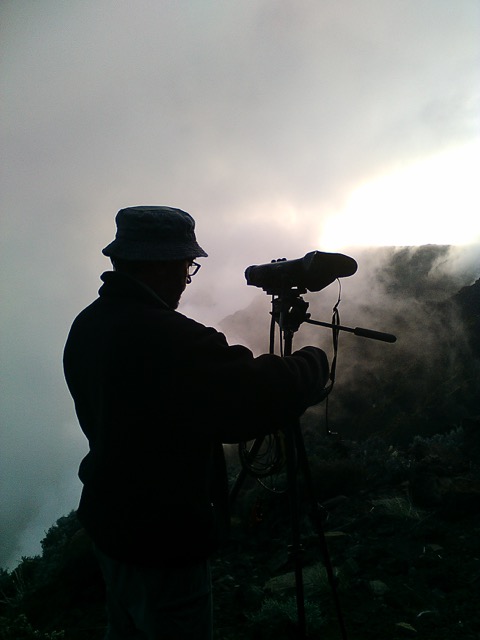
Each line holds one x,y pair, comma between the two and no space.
289,310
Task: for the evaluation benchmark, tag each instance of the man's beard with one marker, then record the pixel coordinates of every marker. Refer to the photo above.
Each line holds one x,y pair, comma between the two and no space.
172,293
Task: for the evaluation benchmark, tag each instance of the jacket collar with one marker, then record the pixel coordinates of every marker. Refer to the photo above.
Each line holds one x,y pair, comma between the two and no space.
122,285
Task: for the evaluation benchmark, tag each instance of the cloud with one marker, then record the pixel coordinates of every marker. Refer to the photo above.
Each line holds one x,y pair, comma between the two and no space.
258,117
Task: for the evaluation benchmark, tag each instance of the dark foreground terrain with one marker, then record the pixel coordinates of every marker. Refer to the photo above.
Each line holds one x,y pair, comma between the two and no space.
402,527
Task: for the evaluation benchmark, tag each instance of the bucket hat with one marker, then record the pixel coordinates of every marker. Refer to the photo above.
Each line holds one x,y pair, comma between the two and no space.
154,233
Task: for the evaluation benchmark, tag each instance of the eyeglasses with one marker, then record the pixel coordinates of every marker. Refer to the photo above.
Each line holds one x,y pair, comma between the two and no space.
193,268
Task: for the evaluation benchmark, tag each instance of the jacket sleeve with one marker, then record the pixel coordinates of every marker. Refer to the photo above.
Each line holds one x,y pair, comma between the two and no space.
236,396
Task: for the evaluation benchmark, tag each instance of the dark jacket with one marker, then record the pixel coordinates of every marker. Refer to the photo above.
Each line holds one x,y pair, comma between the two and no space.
157,394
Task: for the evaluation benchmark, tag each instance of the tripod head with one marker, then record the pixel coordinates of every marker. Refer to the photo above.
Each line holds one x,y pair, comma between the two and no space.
289,311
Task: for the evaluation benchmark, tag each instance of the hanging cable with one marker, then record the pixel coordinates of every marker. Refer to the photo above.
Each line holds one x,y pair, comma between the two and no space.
335,335
268,460
272,331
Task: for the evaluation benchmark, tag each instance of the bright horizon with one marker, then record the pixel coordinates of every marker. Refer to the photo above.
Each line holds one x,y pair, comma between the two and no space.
435,200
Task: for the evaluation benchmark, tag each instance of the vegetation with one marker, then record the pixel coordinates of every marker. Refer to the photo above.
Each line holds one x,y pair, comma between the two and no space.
402,538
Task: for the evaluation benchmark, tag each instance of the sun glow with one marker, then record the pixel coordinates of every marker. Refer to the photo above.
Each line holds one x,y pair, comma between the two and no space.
435,201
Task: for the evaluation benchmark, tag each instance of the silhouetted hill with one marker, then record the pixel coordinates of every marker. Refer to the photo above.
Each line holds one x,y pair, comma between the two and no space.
468,301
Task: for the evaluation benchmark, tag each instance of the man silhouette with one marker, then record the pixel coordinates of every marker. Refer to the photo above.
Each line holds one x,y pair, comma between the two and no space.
157,394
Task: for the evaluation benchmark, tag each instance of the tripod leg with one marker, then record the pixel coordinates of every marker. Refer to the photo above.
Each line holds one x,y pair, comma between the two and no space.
256,446
316,519
296,550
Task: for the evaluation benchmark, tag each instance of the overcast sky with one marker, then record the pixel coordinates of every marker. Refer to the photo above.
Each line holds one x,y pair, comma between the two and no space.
281,125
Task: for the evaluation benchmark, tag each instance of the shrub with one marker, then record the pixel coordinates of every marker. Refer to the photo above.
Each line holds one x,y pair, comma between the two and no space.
19,628
275,617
